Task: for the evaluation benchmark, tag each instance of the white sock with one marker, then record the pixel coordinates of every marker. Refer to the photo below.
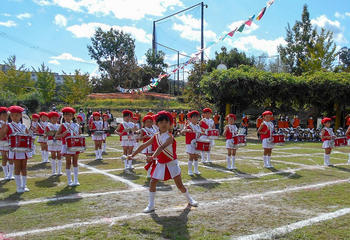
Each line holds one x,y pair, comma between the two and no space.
202,157
6,171
228,160
59,166
24,181
75,169
265,161
104,147
130,163
326,159
208,157
53,166
43,155
11,167
233,158
125,163
152,196
97,154
69,176
349,158
188,196
190,166
149,172
269,161
195,163
18,182
46,156
100,153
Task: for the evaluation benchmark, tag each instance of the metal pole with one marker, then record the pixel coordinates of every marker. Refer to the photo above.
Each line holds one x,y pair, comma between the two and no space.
174,83
202,32
178,71
154,46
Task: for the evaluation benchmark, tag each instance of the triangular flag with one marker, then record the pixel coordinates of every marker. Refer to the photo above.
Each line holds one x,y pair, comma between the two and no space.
249,22
269,3
240,29
261,14
232,32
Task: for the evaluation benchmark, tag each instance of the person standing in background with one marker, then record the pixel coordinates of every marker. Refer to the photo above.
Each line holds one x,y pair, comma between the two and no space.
83,116
217,120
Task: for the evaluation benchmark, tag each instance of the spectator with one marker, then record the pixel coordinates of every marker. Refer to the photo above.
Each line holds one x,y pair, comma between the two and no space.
217,120
83,116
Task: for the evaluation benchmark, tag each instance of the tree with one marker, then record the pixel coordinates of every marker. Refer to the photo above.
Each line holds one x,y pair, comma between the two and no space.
114,52
322,53
45,83
76,87
299,40
344,58
231,59
16,80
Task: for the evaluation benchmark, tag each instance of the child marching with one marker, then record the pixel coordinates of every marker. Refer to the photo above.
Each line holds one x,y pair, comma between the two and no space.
33,128
66,130
327,136
207,123
96,126
40,130
19,158
192,133
126,131
266,130
54,144
147,132
230,131
7,165
163,162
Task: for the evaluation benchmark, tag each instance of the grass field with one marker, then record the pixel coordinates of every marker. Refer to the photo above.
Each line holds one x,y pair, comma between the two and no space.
298,199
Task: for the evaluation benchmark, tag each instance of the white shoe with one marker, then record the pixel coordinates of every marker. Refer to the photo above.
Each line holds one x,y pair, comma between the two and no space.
20,190
148,209
193,203
197,172
26,189
76,184
70,184
190,173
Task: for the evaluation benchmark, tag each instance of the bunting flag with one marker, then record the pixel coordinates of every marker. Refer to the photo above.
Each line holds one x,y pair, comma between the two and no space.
155,81
240,29
261,14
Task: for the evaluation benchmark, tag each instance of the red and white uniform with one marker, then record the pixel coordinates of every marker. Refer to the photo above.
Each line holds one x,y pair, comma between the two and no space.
13,128
41,130
4,143
326,142
73,130
231,131
97,126
166,166
134,138
53,145
267,138
126,138
191,138
148,133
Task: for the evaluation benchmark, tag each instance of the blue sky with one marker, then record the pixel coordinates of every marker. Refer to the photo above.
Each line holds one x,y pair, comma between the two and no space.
57,32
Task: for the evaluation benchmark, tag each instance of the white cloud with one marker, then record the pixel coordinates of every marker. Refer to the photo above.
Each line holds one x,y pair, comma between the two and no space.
60,20
247,29
189,33
248,43
342,16
54,62
68,56
5,14
29,24
24,15
188,19
347,14
87,30
333,26
121,9
9,23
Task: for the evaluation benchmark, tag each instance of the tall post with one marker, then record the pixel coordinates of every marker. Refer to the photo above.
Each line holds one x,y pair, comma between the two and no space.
178,71
154,45
202,31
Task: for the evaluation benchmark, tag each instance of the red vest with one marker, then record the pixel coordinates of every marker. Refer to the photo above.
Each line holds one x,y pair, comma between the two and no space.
263,129
229,134
326,134
190,136
165,156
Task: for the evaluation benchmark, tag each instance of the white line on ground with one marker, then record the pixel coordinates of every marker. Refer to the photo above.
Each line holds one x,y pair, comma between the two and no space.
280,231
205,204
114,177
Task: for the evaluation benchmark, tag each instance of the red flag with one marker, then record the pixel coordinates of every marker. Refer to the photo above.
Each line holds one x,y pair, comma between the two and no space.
250,21
232,33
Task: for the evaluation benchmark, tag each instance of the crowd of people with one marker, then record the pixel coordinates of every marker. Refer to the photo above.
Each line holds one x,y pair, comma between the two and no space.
153,136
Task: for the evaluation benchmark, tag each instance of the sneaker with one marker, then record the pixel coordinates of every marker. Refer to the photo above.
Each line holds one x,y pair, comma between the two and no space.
193,203
148,209
26,189
75,184
20,190
198,173
190,173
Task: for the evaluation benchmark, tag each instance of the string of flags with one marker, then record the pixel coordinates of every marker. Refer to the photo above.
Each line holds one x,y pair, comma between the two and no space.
155,81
